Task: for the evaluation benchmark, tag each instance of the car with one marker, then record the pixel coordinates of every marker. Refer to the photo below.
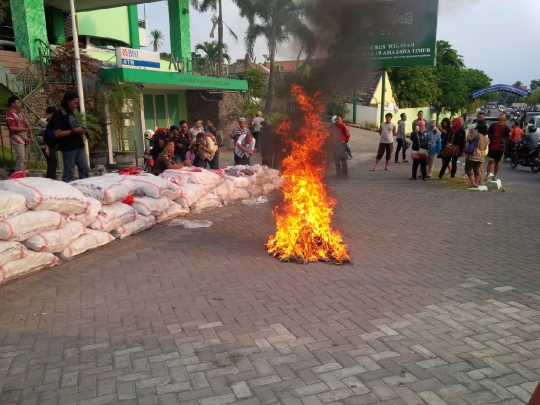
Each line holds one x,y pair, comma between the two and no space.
533,125
528,116
489,121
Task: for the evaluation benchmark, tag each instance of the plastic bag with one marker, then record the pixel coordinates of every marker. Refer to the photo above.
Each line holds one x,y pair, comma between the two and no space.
142,223
30,223
55,241
32,262
150,206
174,210
113,216
10,251
11,204
48,195
91,240
255,201
196,223
207,202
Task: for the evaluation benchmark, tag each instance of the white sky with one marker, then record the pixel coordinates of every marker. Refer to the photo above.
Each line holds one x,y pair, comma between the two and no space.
495,36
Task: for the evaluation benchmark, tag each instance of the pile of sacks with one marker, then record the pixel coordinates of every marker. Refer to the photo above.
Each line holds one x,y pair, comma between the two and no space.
43,220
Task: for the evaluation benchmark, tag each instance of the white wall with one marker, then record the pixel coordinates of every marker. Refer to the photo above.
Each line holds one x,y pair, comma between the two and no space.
364,115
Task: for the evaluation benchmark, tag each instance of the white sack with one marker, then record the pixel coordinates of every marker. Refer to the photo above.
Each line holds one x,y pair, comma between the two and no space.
113,216
10,251
48,195
11,204
254,190
224,190
90,216
174,210
271,174
104,189
31,262
186,175
155,187
91,240
207,202
55,241
115,178
150,206
140,224
238,195
30,223
239,182
191,193
268,188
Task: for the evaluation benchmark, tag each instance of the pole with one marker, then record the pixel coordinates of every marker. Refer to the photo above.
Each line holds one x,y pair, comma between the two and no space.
354,108
78,73
383,93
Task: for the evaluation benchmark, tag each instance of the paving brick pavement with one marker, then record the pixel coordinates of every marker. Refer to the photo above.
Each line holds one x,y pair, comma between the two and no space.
441,306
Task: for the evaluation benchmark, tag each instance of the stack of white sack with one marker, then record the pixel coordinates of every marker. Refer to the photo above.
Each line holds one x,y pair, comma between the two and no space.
56,241
92,239
174,210
106,189
142,223
229,191
113,216
155,187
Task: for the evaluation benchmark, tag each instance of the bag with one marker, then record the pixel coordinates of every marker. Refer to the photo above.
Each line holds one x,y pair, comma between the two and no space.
11,204
10,251
450,150
142,223
50,139
406,145
471,146
55,241
30,223
422,152
30,263
90,240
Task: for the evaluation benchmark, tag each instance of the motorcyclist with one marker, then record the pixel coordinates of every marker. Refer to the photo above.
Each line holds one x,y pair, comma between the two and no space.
530,143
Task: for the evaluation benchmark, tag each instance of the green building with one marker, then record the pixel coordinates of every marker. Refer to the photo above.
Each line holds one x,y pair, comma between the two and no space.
110,23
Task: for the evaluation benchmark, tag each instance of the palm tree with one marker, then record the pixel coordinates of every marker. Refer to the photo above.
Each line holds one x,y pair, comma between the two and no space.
122,98
211,49
215,5
157,39
277,21
5,6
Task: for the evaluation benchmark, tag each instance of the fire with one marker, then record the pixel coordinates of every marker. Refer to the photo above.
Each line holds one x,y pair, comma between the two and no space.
303,220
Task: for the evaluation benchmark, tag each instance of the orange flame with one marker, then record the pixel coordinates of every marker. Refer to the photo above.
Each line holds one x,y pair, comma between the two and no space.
303,220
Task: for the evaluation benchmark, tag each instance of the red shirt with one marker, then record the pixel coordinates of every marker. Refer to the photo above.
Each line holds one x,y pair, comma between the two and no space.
345,134
516,134
16,118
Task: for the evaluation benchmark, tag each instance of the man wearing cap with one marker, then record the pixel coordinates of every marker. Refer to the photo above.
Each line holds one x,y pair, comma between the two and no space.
237,132
256,126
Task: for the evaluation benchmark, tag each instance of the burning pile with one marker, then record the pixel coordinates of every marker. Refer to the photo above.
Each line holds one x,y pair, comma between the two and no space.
303,220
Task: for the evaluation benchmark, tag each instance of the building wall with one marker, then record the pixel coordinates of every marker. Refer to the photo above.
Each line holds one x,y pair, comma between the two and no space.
109,23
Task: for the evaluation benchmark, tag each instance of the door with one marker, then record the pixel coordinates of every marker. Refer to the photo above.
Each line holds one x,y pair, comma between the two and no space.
155,111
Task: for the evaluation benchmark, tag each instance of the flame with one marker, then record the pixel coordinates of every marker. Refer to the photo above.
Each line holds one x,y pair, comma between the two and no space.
303,219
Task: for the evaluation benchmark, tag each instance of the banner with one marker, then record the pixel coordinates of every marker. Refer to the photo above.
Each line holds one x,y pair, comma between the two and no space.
391,33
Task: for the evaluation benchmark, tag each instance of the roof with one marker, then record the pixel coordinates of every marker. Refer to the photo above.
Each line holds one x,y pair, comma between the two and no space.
239,66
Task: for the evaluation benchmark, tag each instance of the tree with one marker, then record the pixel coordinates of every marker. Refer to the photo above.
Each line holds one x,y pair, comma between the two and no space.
157,39
165,56
277,21
121,99
414,86
535,84
517,84
215,5
448,56
256,81
212,51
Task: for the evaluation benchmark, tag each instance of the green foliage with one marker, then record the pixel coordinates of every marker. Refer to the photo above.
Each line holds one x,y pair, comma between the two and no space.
5,8
256,81
211,50
535,84
414,86
448,56
518,84
165,56
535,96
123,98
93,122
276,21
157,39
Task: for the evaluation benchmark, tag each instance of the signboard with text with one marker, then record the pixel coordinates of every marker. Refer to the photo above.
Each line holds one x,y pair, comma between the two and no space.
391,33
137,59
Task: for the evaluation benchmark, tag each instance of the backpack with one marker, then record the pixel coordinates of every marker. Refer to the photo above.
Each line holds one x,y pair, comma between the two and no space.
155,137
50,139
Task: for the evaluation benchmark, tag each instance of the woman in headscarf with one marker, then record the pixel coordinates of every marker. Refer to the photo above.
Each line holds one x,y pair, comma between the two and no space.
477,146
456,137
445,130
434,139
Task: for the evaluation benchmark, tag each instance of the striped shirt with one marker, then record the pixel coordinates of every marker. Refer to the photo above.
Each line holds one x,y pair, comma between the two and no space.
17,119
238,132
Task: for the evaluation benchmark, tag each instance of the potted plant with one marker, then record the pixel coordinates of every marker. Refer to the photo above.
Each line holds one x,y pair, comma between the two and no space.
96,144
123,104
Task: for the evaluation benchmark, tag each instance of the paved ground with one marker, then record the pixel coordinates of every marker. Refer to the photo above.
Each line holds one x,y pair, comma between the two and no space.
441,306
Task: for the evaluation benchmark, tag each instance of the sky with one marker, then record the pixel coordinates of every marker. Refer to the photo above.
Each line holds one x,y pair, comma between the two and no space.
484,32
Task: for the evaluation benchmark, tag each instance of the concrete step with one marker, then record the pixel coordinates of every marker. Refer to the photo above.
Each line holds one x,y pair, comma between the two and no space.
10,54
11,64
14,59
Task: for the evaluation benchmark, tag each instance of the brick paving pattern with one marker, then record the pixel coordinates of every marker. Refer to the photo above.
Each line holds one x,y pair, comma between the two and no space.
441,306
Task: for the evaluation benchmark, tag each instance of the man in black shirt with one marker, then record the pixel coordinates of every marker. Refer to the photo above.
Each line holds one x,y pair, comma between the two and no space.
165,159
66,127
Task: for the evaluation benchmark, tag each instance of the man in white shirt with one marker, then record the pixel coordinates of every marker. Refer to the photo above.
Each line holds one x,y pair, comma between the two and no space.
197,128
244,148
387,132
256,126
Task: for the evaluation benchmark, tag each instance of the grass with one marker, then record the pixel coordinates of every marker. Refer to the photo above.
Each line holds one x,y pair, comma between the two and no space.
458,182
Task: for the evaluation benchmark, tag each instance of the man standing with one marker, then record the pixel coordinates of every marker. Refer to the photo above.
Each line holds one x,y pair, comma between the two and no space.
417,120
498,134
182,142
49,146
165,159
20,132
197,128
245,146
387,132
237,132
205,150
341,136
401,138
256,126
216,136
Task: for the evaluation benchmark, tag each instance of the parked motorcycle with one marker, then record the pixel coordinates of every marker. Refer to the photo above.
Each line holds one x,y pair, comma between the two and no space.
525,158
148,162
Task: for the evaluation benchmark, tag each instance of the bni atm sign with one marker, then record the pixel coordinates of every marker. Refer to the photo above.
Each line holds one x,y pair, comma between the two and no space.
137,59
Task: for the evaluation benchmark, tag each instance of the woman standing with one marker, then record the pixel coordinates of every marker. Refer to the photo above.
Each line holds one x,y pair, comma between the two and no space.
445,130
419,150
434,139
456,138
476,153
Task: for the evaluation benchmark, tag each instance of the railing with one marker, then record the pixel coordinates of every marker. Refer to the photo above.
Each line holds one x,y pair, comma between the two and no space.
36,159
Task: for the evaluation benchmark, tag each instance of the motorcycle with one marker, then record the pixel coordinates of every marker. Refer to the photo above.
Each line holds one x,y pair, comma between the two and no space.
148,159
529,159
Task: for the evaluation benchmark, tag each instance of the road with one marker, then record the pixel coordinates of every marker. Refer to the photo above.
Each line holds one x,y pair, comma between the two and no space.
441,306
